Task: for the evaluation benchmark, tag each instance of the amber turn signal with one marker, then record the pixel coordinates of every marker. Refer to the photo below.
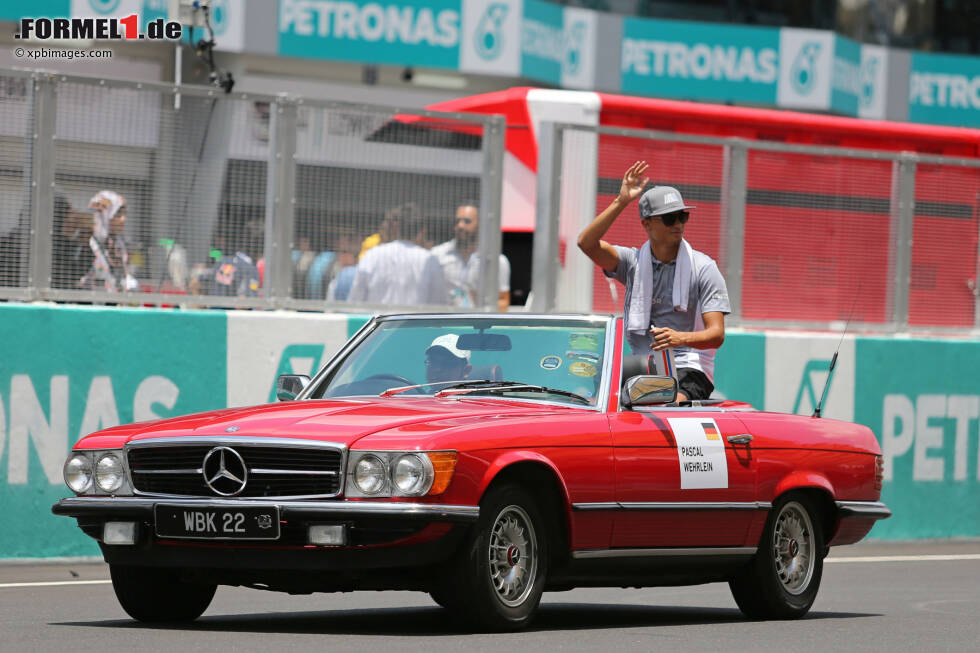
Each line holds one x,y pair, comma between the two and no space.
443,466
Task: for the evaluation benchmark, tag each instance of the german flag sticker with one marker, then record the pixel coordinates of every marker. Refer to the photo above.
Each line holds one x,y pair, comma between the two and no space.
710,431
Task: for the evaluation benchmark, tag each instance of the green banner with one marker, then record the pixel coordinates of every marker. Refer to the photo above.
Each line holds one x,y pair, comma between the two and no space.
922,400
703,61
394,32
944,89
65,372
740,368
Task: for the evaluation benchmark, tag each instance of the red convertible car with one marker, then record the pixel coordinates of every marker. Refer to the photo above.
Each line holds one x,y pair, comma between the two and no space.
484,459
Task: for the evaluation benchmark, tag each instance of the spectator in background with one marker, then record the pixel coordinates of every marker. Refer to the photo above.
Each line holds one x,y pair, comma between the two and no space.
110,268
387,232
345,269
303,258
461,262
234,275
71,256
177,271
403,271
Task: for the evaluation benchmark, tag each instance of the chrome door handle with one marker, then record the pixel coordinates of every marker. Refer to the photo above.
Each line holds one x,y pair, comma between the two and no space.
741,438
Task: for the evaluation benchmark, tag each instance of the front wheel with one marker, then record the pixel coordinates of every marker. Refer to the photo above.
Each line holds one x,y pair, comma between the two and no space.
157,595
782,580
497,577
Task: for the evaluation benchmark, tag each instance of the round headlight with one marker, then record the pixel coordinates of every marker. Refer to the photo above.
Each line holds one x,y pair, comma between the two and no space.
78,473
408,474
370,474
109,474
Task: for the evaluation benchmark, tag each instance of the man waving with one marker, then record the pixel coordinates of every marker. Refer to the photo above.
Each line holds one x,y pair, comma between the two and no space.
675,295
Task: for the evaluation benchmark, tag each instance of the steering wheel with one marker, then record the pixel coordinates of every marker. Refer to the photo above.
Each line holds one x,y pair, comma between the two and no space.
389,377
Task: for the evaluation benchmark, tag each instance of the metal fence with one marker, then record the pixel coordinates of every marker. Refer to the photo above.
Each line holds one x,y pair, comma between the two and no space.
278,193
805,236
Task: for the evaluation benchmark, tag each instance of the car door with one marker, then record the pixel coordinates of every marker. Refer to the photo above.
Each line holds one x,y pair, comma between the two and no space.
681,480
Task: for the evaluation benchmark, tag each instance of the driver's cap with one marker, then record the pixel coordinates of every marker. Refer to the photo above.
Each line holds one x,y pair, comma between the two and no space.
448,342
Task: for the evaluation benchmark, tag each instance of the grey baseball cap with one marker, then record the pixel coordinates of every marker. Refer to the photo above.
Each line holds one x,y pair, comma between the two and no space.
660,200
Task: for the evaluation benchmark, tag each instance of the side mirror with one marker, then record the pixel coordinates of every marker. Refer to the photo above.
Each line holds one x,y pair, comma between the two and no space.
288,386
649,391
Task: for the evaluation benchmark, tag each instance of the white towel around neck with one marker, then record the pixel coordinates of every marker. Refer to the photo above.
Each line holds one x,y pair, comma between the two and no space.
642,296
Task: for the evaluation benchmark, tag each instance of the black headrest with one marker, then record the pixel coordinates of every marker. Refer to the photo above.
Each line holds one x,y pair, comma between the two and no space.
637,365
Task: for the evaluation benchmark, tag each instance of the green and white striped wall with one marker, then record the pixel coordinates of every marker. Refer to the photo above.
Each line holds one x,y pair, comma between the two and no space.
67,371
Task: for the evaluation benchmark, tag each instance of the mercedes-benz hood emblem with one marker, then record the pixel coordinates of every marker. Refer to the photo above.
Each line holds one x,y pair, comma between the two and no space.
224,471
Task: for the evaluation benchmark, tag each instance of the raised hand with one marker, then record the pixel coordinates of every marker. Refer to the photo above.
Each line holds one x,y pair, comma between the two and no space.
633,182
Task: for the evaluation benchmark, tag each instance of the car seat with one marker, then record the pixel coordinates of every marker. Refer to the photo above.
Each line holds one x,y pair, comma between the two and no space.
486,372
637,365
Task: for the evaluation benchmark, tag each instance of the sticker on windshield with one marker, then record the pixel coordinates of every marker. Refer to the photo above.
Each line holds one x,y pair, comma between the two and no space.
700,452
581,368
587,356
551,362
586,341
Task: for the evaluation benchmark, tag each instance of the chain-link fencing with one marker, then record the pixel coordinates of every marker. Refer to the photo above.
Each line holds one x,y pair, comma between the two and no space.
807,237
151,194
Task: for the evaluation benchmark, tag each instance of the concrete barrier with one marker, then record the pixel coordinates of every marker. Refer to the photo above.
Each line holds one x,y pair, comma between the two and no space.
67,371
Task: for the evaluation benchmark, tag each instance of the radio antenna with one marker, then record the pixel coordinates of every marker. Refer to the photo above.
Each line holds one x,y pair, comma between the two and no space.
833,360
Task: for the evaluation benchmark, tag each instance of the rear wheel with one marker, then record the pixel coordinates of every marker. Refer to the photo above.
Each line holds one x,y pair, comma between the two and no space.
497,577
157,595
782,580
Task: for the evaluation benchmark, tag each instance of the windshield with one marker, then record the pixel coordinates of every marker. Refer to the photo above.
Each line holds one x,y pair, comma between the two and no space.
518,358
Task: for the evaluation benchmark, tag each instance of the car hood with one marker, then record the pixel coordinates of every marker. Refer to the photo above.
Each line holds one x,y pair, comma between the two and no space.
340,421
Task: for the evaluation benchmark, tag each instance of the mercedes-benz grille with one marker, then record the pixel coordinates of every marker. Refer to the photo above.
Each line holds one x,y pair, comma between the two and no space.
270,471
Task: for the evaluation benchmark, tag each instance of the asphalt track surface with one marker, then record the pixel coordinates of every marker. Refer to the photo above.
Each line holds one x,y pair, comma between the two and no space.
874,597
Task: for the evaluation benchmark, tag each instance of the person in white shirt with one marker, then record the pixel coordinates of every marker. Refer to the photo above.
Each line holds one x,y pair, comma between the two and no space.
401,272
461,262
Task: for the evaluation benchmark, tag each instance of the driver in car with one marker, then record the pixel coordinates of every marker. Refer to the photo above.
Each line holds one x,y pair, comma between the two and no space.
444,361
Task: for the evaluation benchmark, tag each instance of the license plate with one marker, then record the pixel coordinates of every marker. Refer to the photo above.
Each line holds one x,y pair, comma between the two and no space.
209,523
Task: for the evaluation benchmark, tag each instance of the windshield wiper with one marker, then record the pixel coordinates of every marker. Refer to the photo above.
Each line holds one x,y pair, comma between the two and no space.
507,386
449,385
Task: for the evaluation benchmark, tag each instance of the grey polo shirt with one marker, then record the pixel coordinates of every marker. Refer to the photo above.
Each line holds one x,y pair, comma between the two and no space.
708,290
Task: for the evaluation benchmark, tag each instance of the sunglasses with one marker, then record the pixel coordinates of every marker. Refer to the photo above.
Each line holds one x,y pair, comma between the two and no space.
670,218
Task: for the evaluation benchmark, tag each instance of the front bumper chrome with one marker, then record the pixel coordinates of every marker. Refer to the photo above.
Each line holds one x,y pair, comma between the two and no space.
143,507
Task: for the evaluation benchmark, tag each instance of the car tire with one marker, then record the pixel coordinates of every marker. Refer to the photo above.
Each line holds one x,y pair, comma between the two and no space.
496,579
157,595
782,580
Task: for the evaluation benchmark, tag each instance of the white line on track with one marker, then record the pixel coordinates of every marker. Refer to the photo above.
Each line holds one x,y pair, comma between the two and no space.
55,583
864,559
907,558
